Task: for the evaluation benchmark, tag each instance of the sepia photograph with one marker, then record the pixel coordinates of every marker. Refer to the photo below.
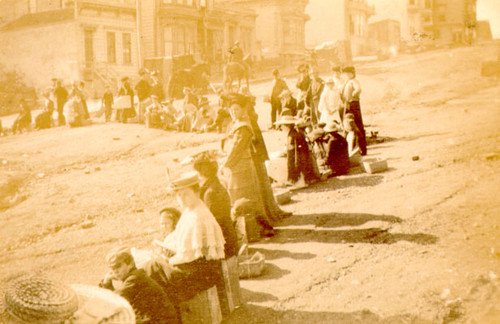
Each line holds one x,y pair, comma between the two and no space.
250,161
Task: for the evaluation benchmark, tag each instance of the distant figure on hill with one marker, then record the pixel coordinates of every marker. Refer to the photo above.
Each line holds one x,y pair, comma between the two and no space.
23,120
61,96
44,119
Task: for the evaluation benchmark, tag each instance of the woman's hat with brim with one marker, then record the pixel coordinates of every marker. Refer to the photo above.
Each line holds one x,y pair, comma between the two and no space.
285,93
185,180
332,127
124,79
349,69
286,120
301,123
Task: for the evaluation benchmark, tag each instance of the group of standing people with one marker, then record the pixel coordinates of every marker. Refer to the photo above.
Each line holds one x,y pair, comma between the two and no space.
324,125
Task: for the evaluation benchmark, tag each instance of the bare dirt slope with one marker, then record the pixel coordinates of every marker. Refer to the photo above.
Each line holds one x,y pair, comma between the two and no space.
416,244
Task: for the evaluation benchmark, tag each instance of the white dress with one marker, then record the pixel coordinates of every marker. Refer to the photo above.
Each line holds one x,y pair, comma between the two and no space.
329,104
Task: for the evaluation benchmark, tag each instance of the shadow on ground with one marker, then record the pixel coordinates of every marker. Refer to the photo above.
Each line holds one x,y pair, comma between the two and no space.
329,220
279,254
352,180
250,314
368,235
255,296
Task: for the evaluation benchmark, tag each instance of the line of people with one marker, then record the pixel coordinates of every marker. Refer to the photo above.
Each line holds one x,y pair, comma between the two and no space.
212,200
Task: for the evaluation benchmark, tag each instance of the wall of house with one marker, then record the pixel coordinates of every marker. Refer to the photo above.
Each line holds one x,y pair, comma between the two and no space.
41,53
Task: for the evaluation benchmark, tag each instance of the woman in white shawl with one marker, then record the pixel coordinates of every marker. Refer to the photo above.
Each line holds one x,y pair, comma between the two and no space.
329,102
197,245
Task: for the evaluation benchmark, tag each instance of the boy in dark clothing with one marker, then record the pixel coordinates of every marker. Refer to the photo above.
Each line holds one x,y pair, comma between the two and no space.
107,102
150,303
61,95
279,86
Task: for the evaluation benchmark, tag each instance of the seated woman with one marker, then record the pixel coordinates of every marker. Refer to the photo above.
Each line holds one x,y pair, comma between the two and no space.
217,200
197,245
23,120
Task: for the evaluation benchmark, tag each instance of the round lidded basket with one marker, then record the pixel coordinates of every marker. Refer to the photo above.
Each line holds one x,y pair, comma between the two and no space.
37,299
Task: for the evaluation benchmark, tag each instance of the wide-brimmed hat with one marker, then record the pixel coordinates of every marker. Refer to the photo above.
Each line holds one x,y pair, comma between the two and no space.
238,98
204,101
124,79
337,69
185,180
329,80
286,112
302,68
286,120
38,299
316,133
284,93
301,123
331,127
349,69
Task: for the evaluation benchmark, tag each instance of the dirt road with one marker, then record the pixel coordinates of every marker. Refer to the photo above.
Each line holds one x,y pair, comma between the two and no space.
418,243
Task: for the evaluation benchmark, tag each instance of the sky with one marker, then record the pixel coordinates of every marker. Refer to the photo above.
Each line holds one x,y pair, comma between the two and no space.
490,10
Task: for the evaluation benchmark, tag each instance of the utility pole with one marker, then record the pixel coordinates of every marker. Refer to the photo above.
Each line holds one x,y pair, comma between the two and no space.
138,11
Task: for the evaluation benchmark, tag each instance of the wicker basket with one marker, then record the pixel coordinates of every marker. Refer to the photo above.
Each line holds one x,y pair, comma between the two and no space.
38,299
253,266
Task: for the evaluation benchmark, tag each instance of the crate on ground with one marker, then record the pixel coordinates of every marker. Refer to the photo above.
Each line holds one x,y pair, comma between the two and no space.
374,165
229,290
202,308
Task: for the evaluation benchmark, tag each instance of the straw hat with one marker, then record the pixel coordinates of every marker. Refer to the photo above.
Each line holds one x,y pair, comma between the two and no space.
332,127
186,180
37,299
301,123
286,120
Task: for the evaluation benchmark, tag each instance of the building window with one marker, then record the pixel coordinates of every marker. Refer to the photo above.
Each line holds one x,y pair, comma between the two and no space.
89,45
428,4
179,39
127,48
111,42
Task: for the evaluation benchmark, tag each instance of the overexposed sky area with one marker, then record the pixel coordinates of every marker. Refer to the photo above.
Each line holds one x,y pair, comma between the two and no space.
490,10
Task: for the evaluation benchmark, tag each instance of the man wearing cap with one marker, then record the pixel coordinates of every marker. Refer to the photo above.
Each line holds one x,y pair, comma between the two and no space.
313,96
329,103
143,90
126,91
149,301
107,102
303,83
61,96
288,102
350,96
153,114
157,86
236,53
197,244
339,87
279,85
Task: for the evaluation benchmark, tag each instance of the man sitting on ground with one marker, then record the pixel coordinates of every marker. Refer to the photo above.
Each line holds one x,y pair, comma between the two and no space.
149,301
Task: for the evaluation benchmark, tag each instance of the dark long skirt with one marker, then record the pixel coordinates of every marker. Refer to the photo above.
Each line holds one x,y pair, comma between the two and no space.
355,109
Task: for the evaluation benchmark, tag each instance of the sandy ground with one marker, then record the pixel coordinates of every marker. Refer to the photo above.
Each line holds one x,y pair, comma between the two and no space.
418,243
